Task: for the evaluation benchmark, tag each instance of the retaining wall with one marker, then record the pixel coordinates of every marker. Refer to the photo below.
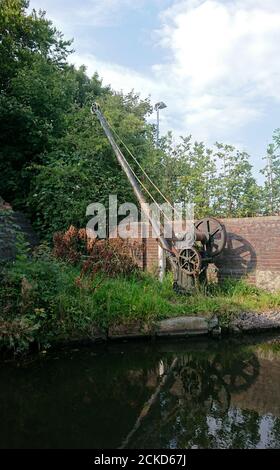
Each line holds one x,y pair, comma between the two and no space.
252,251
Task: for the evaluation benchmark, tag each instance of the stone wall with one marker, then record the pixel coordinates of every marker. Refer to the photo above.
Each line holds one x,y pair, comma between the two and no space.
12,223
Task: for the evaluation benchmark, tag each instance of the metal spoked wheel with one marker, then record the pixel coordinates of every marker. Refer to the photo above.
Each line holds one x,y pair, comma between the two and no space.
216,234
190,261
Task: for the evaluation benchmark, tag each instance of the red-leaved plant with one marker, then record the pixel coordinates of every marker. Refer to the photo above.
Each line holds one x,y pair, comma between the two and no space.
111,257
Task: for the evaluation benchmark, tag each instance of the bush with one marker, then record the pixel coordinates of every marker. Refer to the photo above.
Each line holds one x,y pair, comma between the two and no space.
27,300
17,334
44,299
112,257
51,294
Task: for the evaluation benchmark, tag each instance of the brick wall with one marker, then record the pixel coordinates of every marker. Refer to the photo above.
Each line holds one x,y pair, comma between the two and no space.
151,254
252,251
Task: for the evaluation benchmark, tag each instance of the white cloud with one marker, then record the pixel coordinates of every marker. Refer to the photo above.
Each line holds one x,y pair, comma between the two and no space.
224,55
95,13
106,12
222,65
124,79
121,78
221,59
223,44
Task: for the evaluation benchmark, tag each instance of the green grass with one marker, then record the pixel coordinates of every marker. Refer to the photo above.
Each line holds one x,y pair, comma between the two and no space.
41,301
148,298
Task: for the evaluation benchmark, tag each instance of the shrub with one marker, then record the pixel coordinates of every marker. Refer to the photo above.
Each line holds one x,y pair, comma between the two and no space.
17,334
112,257
27,296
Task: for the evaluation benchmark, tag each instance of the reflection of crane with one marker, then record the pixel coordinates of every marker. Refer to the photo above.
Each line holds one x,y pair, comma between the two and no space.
197,247
146,408
192,385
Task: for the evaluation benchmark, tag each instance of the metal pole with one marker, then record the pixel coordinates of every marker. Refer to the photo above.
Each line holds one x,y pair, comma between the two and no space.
161,263
161,252
157,127
270,181
158,106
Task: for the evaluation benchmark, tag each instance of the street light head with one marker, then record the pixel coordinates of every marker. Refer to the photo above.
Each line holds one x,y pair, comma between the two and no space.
160,105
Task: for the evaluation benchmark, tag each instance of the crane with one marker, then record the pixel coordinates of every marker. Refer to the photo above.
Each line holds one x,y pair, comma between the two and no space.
190,254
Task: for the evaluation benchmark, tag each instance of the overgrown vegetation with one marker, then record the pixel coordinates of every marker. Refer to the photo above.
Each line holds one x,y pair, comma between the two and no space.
55,161
60,158
110,257
42,300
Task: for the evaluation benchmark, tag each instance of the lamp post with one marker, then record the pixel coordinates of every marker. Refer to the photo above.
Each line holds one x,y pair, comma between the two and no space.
161,253
158,106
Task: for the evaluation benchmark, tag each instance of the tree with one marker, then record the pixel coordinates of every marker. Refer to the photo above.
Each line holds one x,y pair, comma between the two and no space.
271,171
185,173
55,158
197,181
22,36
237,193
36,90
83,168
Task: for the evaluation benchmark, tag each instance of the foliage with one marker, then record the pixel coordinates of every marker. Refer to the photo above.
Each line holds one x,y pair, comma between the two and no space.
24,36
184,172
217,181
111,257
41,301
17,334
237,193
26,294
36,90
271,172
61,158
83,168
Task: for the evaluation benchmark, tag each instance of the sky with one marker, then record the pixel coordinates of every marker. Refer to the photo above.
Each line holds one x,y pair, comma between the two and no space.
215,63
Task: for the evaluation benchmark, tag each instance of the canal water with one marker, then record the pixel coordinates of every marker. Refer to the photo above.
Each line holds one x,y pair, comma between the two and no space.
186,394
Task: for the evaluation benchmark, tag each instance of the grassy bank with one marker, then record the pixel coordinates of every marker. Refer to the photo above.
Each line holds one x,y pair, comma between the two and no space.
42,300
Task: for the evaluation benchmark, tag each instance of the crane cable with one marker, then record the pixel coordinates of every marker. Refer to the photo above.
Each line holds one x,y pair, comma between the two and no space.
143,171
145,189
133,172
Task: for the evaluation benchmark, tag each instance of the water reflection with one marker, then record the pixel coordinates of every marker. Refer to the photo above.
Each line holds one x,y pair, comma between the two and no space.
194,410
183,395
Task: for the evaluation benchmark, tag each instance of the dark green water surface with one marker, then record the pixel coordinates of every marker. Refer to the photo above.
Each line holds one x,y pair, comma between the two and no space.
188,394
